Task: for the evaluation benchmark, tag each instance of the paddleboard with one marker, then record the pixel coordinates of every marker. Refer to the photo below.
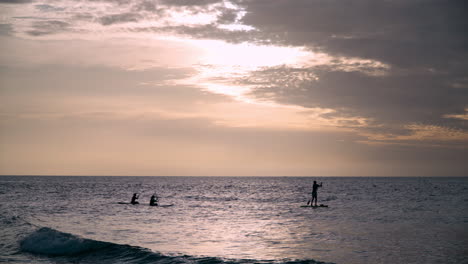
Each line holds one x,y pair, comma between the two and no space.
313,206
161,205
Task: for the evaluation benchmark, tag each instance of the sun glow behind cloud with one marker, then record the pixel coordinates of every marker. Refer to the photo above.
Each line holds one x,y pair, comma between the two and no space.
221,64
247,55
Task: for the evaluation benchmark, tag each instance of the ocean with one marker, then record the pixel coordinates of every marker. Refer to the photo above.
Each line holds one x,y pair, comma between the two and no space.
45,219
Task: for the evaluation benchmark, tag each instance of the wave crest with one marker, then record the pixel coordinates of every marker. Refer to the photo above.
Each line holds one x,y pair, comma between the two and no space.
49,242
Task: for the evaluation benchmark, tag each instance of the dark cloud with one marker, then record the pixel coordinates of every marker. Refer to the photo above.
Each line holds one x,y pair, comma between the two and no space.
147,6
119,18
401,33
227,16
390,99
48,27
118,2
15,1
30,17
84,16
6,29
48,8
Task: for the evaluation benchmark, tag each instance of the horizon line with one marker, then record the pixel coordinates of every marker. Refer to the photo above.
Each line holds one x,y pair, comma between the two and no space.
235,176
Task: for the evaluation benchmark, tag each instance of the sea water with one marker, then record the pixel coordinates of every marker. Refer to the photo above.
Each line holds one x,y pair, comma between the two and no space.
233,220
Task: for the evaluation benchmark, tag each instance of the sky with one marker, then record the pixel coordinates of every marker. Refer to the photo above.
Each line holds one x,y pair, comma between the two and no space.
234,88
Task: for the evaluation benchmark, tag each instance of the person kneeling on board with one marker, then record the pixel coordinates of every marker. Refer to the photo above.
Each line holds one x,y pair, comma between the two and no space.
135,198
154,200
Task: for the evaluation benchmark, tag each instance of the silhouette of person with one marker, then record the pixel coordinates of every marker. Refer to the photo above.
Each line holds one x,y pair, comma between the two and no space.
135,198
315,187
154,200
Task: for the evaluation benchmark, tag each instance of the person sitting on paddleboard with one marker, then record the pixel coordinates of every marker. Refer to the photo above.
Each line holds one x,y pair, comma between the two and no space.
154,200
315,187
135,198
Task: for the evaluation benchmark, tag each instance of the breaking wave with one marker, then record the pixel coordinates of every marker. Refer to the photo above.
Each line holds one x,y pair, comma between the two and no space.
51,243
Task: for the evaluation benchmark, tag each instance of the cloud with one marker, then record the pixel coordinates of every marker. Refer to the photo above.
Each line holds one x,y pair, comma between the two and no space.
227,16
119,18
402,33
163,16
15,1
48,8
6,29
189,2
41,28
130,54
149,6
390,98
210,31
94,81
